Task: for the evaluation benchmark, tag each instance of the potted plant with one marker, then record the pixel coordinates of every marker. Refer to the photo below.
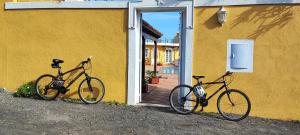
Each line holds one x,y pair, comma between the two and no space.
152,77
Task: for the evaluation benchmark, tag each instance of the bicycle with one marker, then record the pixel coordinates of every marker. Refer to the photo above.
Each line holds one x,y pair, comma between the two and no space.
185,99
91,90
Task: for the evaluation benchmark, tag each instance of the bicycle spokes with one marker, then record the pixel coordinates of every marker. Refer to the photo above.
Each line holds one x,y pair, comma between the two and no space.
91,90
183,100
234,106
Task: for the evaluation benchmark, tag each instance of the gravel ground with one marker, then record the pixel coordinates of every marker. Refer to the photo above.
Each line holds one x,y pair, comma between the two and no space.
30,116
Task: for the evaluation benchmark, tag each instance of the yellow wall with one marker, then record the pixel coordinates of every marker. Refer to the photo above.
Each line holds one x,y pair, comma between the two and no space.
30,39
273,87
161,55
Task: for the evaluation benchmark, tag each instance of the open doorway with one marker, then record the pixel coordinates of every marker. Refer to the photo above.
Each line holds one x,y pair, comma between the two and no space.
135,10
161,32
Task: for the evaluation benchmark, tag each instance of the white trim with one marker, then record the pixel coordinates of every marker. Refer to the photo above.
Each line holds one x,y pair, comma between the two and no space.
66,4
134,48
123,4
199,3
152,105
135,9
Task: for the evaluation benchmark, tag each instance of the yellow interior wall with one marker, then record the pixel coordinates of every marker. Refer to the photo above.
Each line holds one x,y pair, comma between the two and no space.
273,87
30,39
161,53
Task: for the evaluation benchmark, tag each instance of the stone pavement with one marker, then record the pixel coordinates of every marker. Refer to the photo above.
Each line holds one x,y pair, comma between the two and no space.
159,93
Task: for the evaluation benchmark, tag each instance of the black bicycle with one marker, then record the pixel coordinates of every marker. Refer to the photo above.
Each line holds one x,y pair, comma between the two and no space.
232,104
91,90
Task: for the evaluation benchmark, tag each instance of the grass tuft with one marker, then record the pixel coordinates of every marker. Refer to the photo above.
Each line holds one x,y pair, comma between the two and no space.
26,90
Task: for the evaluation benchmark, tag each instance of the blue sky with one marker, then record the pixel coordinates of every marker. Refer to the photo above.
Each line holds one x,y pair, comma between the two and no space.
165,22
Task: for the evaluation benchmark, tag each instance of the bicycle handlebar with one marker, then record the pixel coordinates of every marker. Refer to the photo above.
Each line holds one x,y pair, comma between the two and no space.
228,73
87,60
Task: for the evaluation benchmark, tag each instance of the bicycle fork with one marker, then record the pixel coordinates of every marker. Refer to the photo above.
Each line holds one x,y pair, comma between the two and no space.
227,93
88,79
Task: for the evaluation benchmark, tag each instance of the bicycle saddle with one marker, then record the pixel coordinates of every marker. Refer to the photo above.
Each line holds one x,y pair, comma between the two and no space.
57,61
198,77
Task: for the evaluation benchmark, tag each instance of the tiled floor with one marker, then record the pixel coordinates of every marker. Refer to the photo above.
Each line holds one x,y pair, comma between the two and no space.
159,93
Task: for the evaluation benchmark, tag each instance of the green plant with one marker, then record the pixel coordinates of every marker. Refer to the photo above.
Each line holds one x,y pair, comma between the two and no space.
114,103
151,74
26,90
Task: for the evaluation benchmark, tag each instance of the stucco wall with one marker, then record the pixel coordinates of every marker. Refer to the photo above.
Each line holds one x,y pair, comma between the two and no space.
273,87
30,39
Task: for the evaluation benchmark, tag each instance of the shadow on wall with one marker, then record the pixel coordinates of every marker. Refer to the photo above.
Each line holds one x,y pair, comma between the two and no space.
212,22
266,18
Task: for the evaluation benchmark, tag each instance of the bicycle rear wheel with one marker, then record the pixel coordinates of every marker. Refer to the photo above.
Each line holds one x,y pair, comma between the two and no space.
44,87
92,91
233,105
183,100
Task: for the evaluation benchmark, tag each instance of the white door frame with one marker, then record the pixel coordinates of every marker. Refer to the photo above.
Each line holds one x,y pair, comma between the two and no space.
134,42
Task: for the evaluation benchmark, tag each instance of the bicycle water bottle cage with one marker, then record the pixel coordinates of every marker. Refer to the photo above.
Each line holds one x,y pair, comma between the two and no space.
56,62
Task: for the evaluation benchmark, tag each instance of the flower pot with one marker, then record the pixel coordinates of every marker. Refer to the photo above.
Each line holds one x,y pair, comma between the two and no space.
154,80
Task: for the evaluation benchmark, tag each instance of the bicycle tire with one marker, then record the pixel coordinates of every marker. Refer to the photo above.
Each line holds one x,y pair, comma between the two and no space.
38,90
83,96
241,115
191,107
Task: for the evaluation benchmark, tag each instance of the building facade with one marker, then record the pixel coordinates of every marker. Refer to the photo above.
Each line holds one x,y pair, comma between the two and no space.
168,53
32,33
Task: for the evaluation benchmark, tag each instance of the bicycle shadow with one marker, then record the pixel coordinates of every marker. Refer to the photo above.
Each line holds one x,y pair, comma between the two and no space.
171,111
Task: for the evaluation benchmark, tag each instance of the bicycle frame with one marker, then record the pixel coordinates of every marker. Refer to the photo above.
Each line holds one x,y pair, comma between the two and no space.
213,83
60,74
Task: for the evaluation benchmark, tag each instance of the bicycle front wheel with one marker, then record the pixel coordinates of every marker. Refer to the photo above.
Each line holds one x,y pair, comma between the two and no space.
91,91
183,100
233,105
44,87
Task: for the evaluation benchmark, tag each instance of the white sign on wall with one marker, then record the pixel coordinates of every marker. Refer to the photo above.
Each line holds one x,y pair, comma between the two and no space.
240,55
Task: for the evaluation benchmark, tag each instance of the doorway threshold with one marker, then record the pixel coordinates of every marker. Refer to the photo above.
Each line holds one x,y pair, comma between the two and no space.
152,105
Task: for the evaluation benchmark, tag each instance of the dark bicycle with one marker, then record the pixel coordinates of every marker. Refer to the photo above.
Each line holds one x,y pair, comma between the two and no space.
91,90
232,104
